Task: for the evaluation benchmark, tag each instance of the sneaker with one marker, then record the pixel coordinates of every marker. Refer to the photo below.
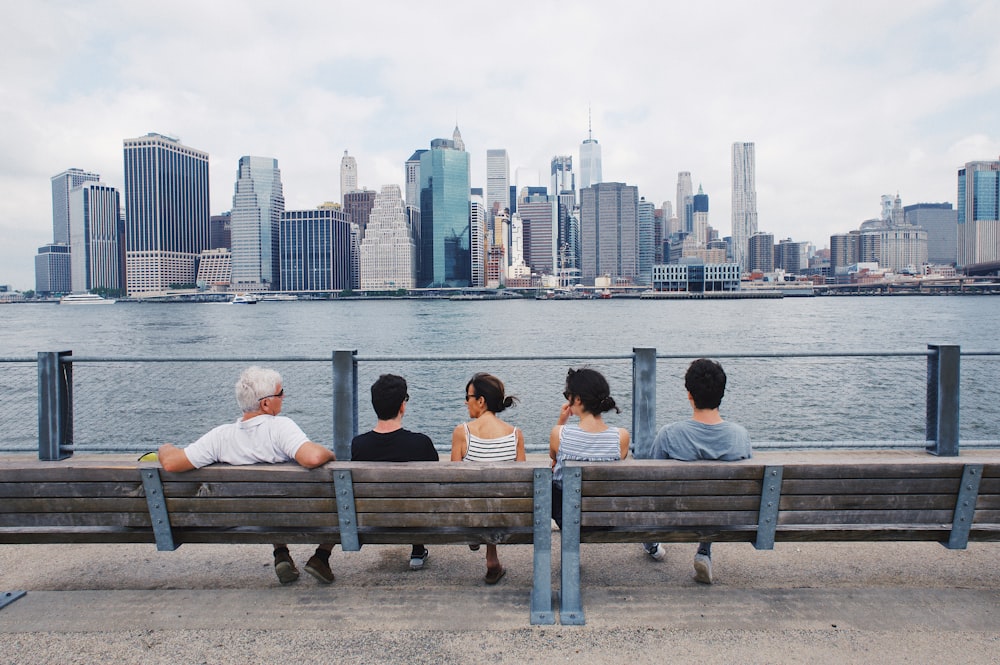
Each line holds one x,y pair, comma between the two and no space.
320,569
703,568
655,551
474,547
417,560
285,568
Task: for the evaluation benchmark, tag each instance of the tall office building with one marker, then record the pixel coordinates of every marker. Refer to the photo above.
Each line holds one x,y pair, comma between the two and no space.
843,251
258,202
699,217
760,250
95,237
348,175
388,252
744,209
53,271
685,201
539,216
940,221
563,179
903,249
358,204
166,212
412,179
647,241
791,256
609,230
590,161
62,184
220,231
478,236
444,215
978,213
497,181
319,251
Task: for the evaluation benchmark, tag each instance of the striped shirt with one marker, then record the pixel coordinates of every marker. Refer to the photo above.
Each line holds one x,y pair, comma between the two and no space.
580,446
501,449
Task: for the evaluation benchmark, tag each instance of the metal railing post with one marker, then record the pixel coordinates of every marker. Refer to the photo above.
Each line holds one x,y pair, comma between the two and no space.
943,366
55,405
345,402
643,401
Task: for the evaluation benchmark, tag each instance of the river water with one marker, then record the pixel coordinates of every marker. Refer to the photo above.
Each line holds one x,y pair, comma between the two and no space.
136,406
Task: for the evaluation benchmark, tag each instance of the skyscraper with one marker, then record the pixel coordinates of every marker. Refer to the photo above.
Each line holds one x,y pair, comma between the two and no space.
563,179
166,212
444,215
358,204
478,237
590,161
744,201
388,252
258,202
539,216
609,229
978,213
647,240
95,237
412,179
699,217
319,250
940,221
685,202
53,272
348,175
760,253
61,186
497,182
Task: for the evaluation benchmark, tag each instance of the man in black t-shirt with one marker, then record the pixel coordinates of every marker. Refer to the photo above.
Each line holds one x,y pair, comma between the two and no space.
389,442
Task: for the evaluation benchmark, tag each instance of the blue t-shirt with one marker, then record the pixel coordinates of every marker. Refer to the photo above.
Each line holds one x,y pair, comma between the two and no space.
691,440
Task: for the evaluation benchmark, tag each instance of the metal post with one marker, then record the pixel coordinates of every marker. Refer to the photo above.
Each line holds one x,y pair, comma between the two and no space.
643,401
541,584
55,405
345,402
943,366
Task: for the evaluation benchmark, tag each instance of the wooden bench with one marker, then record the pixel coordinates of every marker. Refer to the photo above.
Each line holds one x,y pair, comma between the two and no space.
105,499
777,497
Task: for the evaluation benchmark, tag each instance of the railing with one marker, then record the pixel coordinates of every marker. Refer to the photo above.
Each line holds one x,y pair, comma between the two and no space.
55,373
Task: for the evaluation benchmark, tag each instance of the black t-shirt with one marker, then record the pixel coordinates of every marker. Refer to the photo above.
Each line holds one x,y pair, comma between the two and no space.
401,445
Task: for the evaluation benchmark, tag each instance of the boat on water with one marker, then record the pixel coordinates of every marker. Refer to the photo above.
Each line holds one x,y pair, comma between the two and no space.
244,299
281,297
86,299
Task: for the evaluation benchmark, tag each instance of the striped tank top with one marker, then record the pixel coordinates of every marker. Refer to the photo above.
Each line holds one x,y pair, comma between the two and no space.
502,449
580,446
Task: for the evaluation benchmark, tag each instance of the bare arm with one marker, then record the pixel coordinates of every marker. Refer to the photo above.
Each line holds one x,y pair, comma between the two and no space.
458,444
554,443
311,455
173,458
521,456
623,441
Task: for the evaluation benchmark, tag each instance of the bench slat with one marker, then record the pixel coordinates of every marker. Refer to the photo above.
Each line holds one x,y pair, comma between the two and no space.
834,518
430,520
443,490
33,490
747,518
635,504
456,505
673,488
649,470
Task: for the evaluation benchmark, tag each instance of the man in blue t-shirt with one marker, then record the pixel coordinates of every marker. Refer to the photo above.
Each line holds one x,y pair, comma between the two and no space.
706,436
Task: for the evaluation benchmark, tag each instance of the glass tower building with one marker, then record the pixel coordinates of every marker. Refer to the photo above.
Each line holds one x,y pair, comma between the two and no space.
62,184
319,250
744,209
978,213
497,182
95,232
609,231
444,216
257,206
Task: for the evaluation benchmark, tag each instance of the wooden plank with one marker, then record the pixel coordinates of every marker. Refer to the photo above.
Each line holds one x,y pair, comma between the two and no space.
263,506
441,490
670,519
44,535
667,535
444,472
672,504
875,471
432,520
672,488
71,489
868,502
116,519
846,518
74,505
865,485
668,470
987,517
876,533
228,520
225,490
455,505
988,502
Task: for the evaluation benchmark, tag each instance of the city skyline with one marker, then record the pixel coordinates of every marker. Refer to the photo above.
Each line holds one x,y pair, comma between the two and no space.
843,103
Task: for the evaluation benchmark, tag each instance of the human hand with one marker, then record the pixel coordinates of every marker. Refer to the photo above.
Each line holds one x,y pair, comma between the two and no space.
564,413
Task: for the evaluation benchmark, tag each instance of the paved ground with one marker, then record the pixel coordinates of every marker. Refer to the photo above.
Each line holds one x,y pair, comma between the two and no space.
801,603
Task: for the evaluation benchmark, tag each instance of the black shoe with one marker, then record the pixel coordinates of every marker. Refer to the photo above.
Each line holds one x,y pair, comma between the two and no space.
285,568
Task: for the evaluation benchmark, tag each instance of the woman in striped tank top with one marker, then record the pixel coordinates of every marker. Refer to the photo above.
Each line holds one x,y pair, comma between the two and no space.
588,396
486,438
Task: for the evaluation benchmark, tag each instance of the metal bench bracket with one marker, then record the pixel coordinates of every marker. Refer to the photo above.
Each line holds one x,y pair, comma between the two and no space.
767,516
965,507
541,586
8,597
570,604
157,502
343,487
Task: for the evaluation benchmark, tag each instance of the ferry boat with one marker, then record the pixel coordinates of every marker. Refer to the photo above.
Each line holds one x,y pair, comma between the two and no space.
85,299
244,299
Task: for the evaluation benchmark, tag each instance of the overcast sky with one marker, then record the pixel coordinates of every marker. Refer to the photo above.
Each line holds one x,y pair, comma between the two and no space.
845,100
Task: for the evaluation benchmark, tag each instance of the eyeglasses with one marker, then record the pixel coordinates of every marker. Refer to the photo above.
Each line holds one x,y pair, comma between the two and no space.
280,393
473,396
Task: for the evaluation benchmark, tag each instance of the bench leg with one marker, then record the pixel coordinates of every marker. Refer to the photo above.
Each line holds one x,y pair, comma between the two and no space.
570,605
541,587
8,597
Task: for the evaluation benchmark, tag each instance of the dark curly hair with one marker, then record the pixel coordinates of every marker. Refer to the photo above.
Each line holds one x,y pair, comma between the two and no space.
592,389
491,389
706,382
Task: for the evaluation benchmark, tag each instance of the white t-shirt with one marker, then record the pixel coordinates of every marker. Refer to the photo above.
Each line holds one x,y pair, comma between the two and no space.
263,439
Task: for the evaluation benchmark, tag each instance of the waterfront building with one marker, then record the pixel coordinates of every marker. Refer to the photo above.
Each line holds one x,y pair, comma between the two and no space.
319,250
791,256
215,269
53,271
388,251
590,161
647,240
166,212
744,210
760,247
348,176
220,231
539,214
693,275
96,230
940,221
609,231
497,182
699,217
685,201
869,248
843,252
478,235
903,249
62,184
412,179
978,213
359,204
258,202
444,215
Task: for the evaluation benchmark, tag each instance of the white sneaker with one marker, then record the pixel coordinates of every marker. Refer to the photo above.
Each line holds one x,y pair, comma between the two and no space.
703,568
656,552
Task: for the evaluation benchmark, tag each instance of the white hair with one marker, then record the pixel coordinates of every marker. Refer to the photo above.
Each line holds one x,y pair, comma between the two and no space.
254,384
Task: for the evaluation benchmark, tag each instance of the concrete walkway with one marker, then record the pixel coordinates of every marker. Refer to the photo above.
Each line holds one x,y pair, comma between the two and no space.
801,603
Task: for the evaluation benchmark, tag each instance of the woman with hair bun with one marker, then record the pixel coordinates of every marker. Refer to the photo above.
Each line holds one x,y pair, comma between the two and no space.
588,396
486,438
